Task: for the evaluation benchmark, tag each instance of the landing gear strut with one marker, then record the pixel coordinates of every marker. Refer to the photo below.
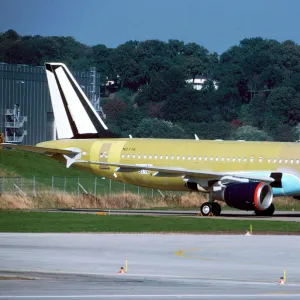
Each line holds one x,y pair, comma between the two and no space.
210,209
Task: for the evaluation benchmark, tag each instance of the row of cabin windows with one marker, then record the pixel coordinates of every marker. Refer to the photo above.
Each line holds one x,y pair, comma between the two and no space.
206,158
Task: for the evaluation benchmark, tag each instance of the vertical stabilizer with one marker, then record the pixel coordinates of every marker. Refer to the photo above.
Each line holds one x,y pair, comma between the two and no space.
75,117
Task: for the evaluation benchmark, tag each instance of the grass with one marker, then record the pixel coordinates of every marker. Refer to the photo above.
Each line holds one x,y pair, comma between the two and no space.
47,200
13,221
28,164
19,167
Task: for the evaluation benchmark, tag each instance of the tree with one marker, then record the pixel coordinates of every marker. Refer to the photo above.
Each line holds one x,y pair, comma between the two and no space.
124,65
271,77
283,133
281,104
250,133
161,86
195,60
129,119
209,131
113,108
175,48
296,132
155,128
100,59
256,111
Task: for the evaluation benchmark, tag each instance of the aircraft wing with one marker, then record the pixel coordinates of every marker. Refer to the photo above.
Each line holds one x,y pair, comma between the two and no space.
42,150
166,171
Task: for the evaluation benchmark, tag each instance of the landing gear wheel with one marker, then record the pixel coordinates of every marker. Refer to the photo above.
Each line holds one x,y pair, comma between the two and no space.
216,208
206,209
267,212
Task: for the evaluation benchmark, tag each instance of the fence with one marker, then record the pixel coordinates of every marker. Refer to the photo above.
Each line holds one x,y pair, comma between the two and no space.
72,185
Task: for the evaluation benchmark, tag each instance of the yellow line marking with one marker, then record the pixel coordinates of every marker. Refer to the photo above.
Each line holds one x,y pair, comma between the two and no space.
183,254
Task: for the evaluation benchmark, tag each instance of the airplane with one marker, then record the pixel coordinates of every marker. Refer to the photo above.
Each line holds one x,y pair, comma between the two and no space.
244,175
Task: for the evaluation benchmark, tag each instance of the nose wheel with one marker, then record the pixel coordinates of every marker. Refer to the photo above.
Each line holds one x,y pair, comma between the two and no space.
210,209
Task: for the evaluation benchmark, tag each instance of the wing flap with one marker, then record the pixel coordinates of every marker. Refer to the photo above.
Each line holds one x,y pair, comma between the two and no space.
165,171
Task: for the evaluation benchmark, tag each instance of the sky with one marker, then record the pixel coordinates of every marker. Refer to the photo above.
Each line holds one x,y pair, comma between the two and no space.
216,24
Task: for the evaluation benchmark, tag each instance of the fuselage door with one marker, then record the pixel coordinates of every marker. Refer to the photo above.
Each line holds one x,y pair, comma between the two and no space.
103,154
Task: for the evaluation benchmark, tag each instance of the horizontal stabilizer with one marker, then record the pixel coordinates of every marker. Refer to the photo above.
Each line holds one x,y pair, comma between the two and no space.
42,150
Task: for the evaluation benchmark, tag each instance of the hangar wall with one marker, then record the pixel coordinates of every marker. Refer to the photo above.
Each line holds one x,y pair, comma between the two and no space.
27,86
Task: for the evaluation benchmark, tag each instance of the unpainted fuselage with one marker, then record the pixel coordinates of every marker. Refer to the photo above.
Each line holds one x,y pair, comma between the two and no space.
260,158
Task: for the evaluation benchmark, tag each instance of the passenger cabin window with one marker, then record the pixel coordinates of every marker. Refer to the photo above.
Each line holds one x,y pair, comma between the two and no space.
292,161
260,159
274,160
194,158
245,159
183,158
139,156
161,157
145,156
155,156
217,158
178,157
286,161
297,161
233,159
200,158
167,157
280,161
150,156
251,159
228,159
189,158
269,160
128,155
133,156
205,158
211,158
123,155
222,159
172,157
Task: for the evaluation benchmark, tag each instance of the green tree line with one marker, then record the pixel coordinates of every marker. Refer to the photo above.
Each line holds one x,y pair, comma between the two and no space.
251,91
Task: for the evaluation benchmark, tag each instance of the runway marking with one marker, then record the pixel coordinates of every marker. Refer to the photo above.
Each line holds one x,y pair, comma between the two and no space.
155,296
183,254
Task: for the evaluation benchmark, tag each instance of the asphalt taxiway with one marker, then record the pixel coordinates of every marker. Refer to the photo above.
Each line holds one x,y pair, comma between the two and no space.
85,266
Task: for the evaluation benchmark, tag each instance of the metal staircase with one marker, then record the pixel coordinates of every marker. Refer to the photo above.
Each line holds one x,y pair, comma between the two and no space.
14,125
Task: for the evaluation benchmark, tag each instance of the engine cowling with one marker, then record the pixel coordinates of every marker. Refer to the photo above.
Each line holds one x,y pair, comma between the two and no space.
246,196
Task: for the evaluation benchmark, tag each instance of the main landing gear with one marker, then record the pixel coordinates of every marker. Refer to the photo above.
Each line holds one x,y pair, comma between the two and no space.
210,209
267,212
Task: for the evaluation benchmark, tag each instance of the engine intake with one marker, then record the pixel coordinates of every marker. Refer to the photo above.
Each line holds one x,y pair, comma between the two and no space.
246,196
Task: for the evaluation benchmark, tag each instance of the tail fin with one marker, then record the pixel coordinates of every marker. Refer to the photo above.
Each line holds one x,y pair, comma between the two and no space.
75,117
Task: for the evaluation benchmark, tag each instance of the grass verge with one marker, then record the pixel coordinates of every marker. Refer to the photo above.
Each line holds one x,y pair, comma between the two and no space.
13,221
128,200
28,164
